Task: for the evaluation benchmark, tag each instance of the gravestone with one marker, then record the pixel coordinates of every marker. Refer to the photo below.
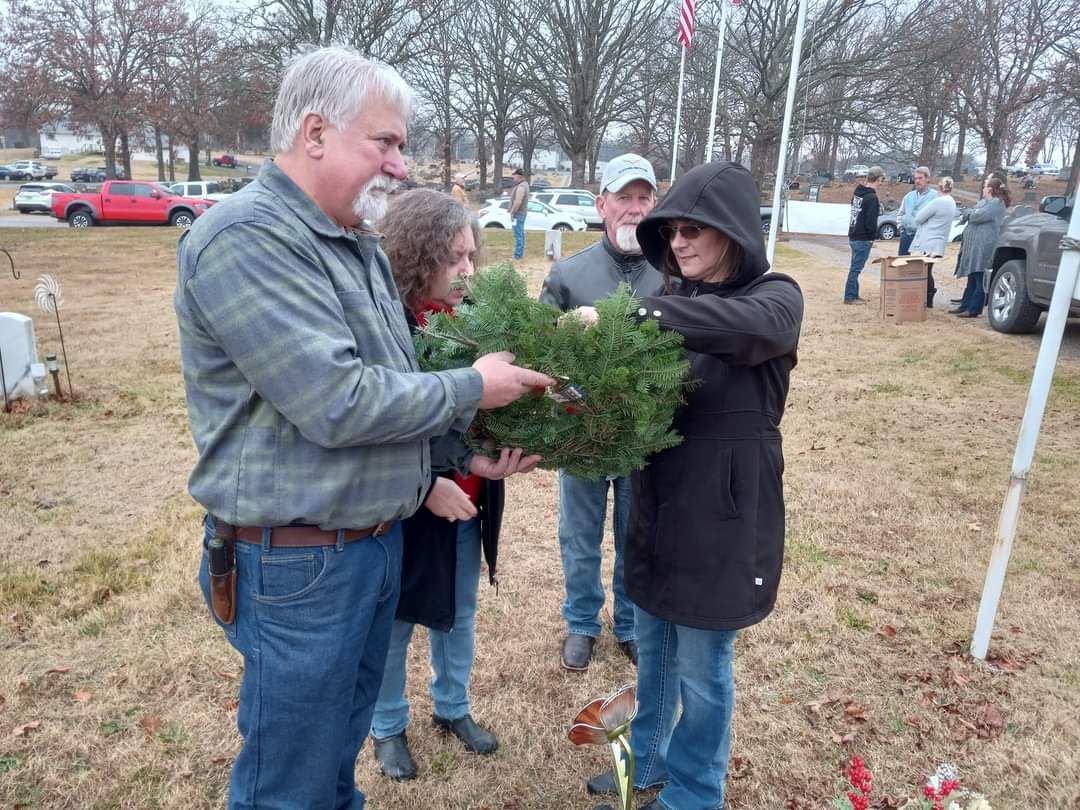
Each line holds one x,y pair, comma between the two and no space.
553,245
19,352
814,194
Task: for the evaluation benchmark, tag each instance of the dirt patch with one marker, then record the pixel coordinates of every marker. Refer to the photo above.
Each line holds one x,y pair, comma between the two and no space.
898,445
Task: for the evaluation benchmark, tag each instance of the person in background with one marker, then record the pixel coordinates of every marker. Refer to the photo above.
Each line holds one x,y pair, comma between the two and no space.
705,547
910,205
862,229
457,189
519,209
627,195
432,243
934,222
977,249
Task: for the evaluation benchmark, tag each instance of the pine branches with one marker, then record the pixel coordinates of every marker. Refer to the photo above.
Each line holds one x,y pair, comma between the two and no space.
632,374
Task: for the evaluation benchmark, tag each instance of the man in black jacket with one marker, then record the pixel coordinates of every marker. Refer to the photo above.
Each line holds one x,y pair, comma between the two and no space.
862,230
627,195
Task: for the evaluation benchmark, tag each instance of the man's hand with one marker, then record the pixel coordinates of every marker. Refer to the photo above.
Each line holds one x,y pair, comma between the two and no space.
510,461
447,500
505,382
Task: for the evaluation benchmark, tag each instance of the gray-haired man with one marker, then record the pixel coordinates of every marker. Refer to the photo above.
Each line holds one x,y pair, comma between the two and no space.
313,423
627,195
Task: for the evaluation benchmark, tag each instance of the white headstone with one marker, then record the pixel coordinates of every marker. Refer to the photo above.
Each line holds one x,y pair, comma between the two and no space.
553,245
19,351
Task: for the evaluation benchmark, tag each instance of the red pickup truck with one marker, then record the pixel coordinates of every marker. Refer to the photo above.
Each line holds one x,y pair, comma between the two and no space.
128,202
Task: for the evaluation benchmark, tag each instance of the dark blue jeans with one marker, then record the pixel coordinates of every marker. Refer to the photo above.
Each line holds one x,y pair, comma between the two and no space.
860,252
519,236
974,295
313,625
906,238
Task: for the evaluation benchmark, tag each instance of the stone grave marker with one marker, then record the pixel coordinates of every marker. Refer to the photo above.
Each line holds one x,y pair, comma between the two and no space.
19,351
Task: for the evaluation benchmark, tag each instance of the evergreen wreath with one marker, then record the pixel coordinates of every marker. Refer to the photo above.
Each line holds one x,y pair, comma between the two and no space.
619,381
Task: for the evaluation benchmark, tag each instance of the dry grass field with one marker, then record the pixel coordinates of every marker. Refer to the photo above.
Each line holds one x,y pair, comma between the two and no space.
117,691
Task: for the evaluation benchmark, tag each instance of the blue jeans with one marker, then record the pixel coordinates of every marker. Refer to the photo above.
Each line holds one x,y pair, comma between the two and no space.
678,664
519,236
451,653
313,625
906,238
860,252
582,507
974,297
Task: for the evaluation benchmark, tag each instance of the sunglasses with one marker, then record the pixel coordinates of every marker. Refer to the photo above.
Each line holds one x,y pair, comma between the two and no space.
688,232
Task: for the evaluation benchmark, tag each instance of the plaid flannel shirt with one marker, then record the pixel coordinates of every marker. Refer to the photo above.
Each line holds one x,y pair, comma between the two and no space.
304,396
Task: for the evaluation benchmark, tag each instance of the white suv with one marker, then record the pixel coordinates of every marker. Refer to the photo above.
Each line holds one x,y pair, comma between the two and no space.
31,167
38,196
200,189
574,201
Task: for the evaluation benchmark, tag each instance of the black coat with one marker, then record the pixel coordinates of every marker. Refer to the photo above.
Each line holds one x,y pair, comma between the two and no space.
705,546
429,552
429,559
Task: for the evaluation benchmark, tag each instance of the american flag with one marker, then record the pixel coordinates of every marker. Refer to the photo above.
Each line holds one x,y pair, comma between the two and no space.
686,23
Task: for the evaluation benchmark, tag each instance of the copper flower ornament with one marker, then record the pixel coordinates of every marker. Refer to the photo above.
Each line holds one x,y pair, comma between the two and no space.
606,721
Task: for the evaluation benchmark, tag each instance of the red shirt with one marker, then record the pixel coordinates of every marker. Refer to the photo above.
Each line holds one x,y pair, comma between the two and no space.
471,485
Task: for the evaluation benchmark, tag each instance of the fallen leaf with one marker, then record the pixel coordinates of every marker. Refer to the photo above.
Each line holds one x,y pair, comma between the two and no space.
25,728
231,705
739,767
786,701
83,695
150,723
220,760
229,676
855,711
1005,664
57,670
843,739
887,630
992,718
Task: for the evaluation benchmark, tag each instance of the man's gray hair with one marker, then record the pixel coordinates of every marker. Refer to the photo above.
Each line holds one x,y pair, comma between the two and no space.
924,170
336,83
876,173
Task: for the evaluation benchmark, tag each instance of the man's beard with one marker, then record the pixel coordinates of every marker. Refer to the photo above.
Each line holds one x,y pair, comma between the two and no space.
626,239
370,203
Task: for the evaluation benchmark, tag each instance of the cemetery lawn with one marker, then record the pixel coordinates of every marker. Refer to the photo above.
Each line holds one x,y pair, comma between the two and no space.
117,691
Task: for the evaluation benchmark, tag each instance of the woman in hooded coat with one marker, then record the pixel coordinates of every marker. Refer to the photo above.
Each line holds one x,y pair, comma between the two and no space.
706,539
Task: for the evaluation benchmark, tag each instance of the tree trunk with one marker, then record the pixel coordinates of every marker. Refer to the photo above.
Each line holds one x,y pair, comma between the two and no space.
125,152
193,159
762,155
172,161
527,149
1074,177
482,158
578,157
498,148
448,156
108,140
740,147
993,151
961,140
594,158
929,138
159,150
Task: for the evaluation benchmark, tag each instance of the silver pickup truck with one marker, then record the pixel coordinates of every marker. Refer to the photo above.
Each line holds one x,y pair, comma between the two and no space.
1025,266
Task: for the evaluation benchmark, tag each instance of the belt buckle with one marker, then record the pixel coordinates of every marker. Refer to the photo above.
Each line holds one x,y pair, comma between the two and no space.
382,528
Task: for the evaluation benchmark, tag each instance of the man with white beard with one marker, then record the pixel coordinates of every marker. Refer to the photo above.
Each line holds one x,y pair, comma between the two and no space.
314,426
627,195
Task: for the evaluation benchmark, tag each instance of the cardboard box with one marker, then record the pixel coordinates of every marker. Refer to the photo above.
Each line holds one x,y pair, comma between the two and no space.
903,288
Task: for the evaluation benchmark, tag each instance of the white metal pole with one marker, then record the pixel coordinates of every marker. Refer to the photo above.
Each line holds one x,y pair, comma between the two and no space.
1066,288
678,116
716,79
793,81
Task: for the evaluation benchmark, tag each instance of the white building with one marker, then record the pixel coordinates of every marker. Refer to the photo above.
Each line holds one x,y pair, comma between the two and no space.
68,140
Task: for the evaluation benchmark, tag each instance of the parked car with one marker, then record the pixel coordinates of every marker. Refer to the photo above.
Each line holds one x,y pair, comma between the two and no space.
574,201
52,153
1045,168
539,184
126,202
35,170
887,227
8,172
226,161
94,174
539,217
33,197
1025,266
766,219
856,171
199,189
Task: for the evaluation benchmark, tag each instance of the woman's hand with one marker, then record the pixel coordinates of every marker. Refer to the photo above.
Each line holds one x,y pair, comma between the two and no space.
447,500
588,315
510,461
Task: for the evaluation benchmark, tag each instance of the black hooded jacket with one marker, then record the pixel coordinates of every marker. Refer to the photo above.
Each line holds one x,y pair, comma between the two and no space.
865,208
706,541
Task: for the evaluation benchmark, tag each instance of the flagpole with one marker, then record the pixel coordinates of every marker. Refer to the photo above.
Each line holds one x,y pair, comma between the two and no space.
716,79
781,163
678,116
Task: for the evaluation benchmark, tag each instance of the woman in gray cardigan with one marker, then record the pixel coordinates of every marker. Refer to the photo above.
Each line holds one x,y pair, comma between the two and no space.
934,221
976,253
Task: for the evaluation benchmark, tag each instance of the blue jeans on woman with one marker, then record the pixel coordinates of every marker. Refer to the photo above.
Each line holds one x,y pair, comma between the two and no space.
313,626
451,653
678,664
582,507
974,297
519,236
860,252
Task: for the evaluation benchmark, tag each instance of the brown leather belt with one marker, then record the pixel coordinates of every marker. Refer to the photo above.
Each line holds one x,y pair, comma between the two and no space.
299,536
